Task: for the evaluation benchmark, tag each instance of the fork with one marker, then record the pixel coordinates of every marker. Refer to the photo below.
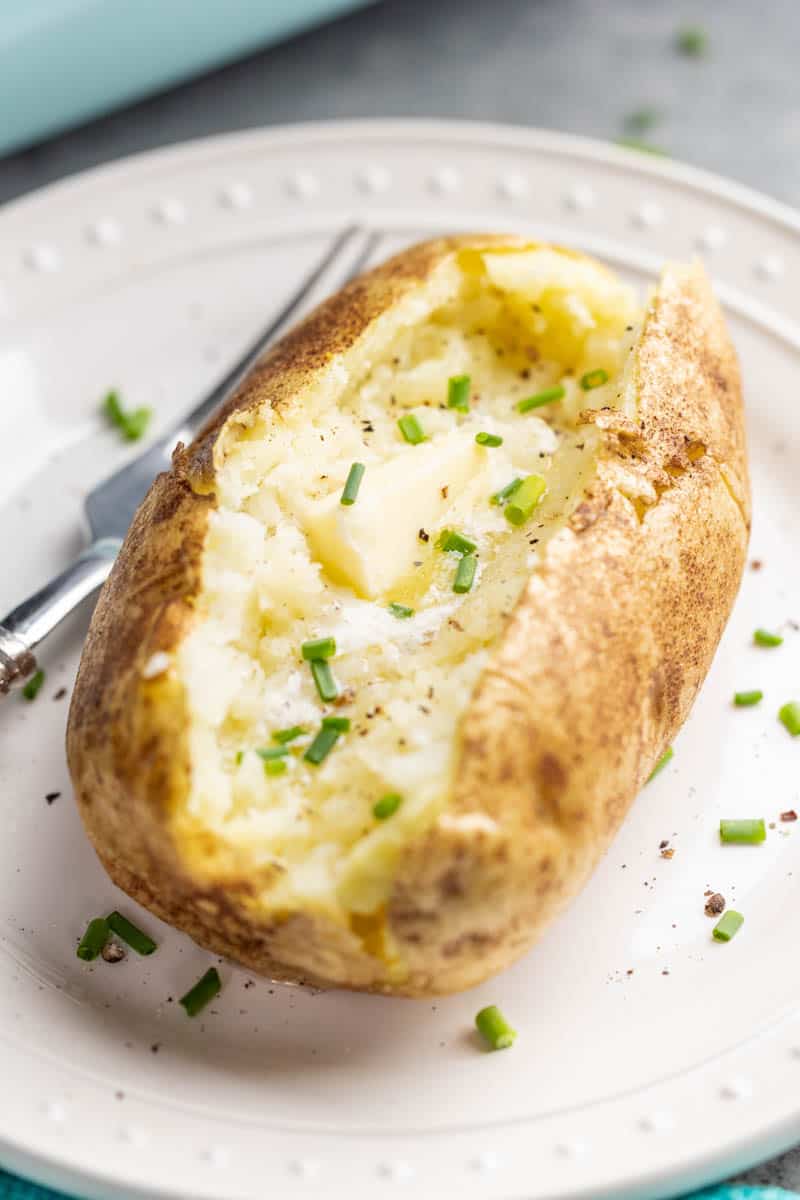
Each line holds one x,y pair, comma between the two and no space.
110,506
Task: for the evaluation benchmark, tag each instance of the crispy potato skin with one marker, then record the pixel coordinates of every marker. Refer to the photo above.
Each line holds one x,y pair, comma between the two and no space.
596,672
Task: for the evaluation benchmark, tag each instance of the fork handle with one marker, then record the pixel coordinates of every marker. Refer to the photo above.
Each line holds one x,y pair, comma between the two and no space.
26,625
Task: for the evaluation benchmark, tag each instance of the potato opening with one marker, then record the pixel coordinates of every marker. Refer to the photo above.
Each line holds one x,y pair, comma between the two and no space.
286,563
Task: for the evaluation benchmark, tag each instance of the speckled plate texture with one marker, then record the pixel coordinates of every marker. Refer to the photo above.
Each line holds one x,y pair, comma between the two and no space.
650,1060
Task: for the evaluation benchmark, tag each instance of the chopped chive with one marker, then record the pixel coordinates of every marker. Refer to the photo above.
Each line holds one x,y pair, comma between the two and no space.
275,766
594,379
692,41
747,699
450,540
504,493
411,429
458,387
546,396
488,439
762,637
789,716
324,647
353,483
727,926
239,757
130,424
288,735
202,993
743,833
130,933
92,942
641,119
400,610
322,745
662,762
387,806
526,497
465,574
494,1028
634,143
327,686
271,752
34,685
340,724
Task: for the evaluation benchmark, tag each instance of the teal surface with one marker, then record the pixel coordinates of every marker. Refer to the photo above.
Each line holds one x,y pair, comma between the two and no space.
12,1188
65,61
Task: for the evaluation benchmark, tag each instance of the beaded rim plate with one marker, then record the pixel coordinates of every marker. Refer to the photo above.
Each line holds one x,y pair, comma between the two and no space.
650,1059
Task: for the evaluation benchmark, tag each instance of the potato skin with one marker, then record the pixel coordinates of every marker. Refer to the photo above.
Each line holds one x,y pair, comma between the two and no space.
596,672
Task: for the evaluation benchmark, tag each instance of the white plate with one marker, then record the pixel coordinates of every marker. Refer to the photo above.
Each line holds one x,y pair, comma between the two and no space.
151,275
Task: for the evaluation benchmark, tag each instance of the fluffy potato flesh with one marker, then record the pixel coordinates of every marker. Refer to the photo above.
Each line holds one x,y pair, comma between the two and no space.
284,562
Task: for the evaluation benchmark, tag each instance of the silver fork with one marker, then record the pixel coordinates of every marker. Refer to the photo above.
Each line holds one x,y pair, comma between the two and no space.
110,506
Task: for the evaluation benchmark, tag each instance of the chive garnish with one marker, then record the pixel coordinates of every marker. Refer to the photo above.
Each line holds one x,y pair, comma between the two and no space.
789,716
727,926
34,685
239,757
288,735
547,396
692,41
92,942
275,766
594,379
322,745
494,1028
465,574
353,483
202,993
387,806
272,752
324,647
327,687
488,439
634,143
762,637
400,610
130,424
450,540
526,497
411,429
641,120
458,387
747,699
130,933
662,762
744,832
504,493
340,724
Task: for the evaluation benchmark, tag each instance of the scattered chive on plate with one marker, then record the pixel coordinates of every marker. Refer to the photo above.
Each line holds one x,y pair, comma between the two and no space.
131,934
34,685
747,832
727,926
96,935
494,1028
203,992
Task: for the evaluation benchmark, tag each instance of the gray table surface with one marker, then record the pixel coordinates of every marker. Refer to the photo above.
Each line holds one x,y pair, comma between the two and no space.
575,65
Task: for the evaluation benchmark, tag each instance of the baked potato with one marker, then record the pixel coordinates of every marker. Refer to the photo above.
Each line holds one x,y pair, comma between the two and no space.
374,728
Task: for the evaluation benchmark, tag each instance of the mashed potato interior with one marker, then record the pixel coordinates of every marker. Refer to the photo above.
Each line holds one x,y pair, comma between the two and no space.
286,562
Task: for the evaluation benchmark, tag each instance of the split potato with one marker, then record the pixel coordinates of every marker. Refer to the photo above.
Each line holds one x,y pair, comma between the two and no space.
380,744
